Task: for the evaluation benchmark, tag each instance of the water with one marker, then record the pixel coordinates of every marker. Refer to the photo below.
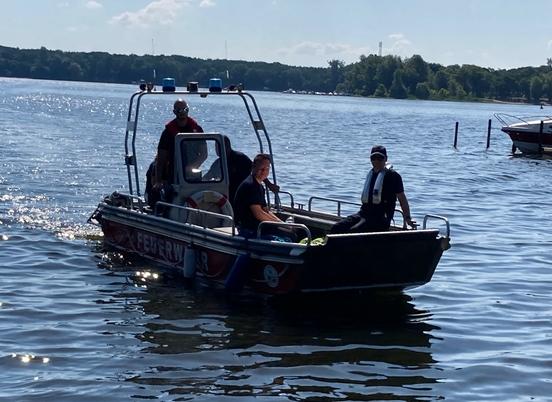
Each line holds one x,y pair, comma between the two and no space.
79,324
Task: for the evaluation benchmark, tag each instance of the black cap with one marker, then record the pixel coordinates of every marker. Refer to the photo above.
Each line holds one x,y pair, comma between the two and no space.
379,150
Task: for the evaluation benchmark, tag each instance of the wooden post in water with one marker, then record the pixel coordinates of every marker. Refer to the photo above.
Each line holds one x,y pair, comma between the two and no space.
489,134
540,136
455,134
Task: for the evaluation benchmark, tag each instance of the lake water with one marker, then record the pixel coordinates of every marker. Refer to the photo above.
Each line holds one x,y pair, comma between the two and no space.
77,324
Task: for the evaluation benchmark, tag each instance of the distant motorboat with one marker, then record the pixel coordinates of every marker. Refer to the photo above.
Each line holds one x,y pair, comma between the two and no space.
529,135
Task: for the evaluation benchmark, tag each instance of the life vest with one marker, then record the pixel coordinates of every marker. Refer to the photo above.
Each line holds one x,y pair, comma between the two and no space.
378,187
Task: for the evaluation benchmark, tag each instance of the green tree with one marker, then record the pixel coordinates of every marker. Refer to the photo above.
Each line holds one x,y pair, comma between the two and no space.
386,68
360,78
443,94
422,90
547,86
336,73
397,90
415,70
419,66
536,89
381,91
74,71
441,79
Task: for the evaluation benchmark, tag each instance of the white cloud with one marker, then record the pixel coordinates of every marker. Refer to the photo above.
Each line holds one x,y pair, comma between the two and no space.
93,5
162,12
207,3
333,50
399,44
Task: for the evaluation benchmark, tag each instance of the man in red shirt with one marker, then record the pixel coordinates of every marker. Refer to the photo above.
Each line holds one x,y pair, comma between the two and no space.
182,123
161,171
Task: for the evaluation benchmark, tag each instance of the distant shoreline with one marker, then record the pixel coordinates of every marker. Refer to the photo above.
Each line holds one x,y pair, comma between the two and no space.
314,93
385,77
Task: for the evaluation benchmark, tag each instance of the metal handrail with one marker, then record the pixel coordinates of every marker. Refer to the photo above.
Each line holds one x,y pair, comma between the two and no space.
508,119
285,224
130,158
132,199
292,202
339,202
137,198
404,226
132,127
200,212
438,217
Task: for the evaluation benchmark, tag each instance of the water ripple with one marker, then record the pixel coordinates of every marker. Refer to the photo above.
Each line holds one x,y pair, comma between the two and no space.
81,323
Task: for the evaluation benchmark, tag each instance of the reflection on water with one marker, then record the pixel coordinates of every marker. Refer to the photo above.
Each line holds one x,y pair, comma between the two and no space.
480,330
203,342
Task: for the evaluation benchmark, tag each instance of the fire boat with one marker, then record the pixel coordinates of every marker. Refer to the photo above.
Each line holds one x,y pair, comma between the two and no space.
195,235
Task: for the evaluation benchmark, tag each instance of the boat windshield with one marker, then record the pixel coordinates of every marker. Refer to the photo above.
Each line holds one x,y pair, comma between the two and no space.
201,160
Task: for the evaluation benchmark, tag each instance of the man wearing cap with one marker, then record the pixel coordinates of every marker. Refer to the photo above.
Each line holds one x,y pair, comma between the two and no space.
382,188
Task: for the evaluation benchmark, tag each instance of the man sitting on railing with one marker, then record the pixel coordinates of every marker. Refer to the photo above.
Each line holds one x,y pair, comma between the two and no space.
382,188
250,208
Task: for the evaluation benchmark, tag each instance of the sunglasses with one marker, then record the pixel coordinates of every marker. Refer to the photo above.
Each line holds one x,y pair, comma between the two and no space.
377,157
182,110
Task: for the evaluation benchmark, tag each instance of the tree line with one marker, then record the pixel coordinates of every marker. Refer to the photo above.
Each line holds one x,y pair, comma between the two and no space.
378,76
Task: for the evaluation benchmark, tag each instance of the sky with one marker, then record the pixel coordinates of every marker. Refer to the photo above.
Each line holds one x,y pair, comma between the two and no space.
489,33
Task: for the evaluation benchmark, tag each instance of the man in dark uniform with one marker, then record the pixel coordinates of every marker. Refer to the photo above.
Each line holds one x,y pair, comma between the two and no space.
250,206
382,188
239,167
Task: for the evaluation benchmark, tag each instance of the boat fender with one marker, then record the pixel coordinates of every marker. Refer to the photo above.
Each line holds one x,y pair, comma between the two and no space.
201,199
189,266
236,277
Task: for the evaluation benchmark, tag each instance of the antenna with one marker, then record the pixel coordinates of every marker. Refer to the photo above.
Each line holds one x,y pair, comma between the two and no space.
225,49
152,48
380,46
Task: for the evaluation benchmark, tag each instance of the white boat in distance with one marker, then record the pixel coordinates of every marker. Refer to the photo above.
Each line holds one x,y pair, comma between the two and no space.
531,135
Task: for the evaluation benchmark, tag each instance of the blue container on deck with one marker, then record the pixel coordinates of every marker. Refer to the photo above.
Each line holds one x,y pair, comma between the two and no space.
169,85
215,85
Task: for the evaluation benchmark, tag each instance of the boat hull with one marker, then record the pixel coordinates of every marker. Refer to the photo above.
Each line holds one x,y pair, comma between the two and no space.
528,137
389,260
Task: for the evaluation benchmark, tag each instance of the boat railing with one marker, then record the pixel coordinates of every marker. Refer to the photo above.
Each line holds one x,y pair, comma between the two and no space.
335,200
292,202
429,217
508,119
289,225
129,201
203,214
404,225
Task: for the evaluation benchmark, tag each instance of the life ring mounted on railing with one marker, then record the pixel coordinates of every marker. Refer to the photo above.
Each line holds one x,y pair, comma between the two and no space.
209,200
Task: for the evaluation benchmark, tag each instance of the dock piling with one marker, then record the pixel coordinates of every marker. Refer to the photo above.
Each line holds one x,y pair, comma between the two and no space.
489,133
541,129
456,135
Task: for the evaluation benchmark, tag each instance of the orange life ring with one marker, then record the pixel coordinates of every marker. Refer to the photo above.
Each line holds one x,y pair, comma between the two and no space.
208,199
